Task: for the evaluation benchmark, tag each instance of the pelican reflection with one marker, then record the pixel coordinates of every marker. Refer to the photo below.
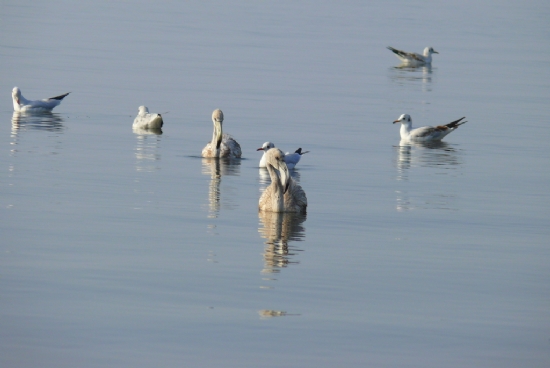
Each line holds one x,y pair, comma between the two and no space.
216,168
415,158
279,229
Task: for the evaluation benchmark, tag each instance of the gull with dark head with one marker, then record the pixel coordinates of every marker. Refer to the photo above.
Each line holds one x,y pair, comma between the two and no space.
291,159
284,194
21,104
145,120
427,133
411,58
221,145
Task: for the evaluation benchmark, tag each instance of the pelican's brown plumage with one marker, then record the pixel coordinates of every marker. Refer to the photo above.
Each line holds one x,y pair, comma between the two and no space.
284,194
221,145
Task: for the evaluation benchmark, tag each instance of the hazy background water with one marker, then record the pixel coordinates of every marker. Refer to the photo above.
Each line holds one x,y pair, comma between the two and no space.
128,250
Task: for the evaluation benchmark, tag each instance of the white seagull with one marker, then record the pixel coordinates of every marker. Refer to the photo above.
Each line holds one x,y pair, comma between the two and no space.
145,120
427,133
284,194
21,104
412,58
291,159
221,145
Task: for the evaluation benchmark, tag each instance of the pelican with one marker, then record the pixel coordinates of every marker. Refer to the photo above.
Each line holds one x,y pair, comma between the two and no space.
221,145
20,103
284,194
427,133
291,159
412,58
145,120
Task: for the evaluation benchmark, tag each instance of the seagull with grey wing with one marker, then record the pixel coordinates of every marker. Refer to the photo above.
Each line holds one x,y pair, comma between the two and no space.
21,104
411,58
291,159
427,133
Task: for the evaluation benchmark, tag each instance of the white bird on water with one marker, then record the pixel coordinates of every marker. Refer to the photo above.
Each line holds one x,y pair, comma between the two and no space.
427,133
412,58
145,120
21,104
284,194
221,145
291,159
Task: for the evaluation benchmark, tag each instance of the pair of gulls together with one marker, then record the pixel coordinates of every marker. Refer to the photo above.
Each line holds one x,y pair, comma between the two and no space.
144,120
283,194
428,133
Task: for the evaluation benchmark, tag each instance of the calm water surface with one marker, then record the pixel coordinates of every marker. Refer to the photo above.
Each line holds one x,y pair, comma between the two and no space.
124,248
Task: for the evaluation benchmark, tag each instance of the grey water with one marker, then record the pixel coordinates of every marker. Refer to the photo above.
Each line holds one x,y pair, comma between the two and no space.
127,249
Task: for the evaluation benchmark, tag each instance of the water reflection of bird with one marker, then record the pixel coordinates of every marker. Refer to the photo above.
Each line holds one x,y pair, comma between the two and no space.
412,58
284,194
217,168
45,120
146,152
141,131
221,145
20,103
279,229
432,155
270,313
146,120
412,74
427,133
438,154
291,159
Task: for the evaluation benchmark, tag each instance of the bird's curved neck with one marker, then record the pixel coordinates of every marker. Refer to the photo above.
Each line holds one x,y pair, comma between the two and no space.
277,199
217,135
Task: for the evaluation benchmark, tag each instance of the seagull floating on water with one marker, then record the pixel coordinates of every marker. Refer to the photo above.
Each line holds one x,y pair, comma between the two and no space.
221,145
145,120
412,58
284,194
427,133
21,104
291,159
